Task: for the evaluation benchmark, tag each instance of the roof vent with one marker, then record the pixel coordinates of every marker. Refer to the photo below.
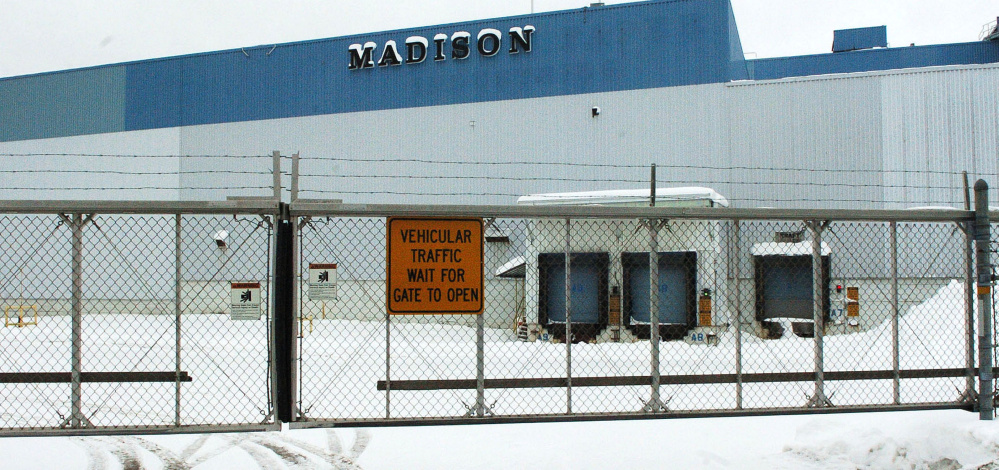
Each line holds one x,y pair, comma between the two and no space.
990,32
859,38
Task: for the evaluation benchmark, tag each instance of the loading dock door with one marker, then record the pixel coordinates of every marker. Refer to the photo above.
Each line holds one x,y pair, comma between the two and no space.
588,281
677,287
784,287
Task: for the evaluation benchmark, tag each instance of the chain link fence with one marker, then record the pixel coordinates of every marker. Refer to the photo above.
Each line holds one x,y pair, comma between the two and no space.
119,318
145,317
593,311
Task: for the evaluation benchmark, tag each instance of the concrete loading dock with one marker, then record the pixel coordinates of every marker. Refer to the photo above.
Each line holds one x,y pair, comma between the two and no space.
609,281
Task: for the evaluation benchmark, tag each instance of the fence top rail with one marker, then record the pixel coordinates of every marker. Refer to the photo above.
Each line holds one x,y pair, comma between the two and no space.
260,206
314,208
319,209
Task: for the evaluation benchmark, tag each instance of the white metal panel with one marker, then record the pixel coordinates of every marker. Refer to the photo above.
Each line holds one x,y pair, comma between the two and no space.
883,139
117,163
809,143
938,124
396,150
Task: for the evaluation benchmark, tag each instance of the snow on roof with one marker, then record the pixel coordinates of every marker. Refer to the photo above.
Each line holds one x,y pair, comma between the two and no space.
513,268
787,249
666,196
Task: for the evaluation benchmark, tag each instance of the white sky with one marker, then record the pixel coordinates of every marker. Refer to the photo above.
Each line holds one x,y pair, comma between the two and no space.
38,36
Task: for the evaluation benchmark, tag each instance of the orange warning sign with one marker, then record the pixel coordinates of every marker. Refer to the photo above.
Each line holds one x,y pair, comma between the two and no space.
434,266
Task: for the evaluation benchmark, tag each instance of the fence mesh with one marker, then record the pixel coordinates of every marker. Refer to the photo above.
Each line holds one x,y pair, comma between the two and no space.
752,314
100,294
118,322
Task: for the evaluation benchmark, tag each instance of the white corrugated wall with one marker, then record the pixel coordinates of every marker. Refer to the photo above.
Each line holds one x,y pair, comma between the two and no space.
869,140
881,140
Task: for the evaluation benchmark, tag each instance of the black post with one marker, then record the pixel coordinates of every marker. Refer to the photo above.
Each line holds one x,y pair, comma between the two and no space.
284,316
982,235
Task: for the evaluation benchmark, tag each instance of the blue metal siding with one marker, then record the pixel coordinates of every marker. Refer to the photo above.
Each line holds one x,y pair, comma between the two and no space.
859,38
875,59
635,46
152,94
656,44
69,103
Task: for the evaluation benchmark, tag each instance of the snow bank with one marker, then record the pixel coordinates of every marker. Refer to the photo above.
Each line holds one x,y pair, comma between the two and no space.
937,444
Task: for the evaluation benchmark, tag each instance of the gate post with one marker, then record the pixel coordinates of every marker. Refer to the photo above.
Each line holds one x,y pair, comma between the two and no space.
76,418
177,309
895,354
819,284
655,403
982,235
284,316
738,314
568,317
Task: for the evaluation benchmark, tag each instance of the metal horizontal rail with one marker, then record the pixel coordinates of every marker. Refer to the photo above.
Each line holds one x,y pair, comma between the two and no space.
583,417
112,377
555,382
261,206
319,209
138,430
316,208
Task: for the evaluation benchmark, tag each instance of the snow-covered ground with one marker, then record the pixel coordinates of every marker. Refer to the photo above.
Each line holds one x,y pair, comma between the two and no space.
931,334
900,440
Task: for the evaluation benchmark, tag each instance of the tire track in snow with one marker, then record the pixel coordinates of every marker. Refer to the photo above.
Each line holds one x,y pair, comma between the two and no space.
170,460
271,451
96,458
267,461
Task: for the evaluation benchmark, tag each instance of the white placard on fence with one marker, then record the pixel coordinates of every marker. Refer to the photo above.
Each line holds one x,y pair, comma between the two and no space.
244,301
322,281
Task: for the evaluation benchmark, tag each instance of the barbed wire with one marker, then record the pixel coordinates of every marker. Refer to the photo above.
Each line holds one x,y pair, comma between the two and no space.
517,195
494,163
610,180
511,178
629,166
478,177
482,178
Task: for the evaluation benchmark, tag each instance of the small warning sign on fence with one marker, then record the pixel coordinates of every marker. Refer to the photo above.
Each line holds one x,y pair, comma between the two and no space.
322,281
244,301
434,266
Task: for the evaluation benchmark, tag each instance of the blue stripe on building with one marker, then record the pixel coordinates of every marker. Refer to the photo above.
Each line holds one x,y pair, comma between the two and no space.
870,60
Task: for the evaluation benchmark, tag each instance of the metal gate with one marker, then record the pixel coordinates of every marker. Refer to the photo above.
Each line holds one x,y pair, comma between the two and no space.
117,317
166,317
890,323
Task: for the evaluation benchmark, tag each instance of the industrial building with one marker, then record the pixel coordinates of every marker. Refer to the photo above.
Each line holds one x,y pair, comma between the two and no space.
586,98
651,82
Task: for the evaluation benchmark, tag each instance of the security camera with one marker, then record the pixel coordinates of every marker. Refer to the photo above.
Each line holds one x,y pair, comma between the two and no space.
595,111
220,238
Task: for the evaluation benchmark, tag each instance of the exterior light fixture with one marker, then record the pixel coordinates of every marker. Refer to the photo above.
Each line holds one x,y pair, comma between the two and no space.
220,238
